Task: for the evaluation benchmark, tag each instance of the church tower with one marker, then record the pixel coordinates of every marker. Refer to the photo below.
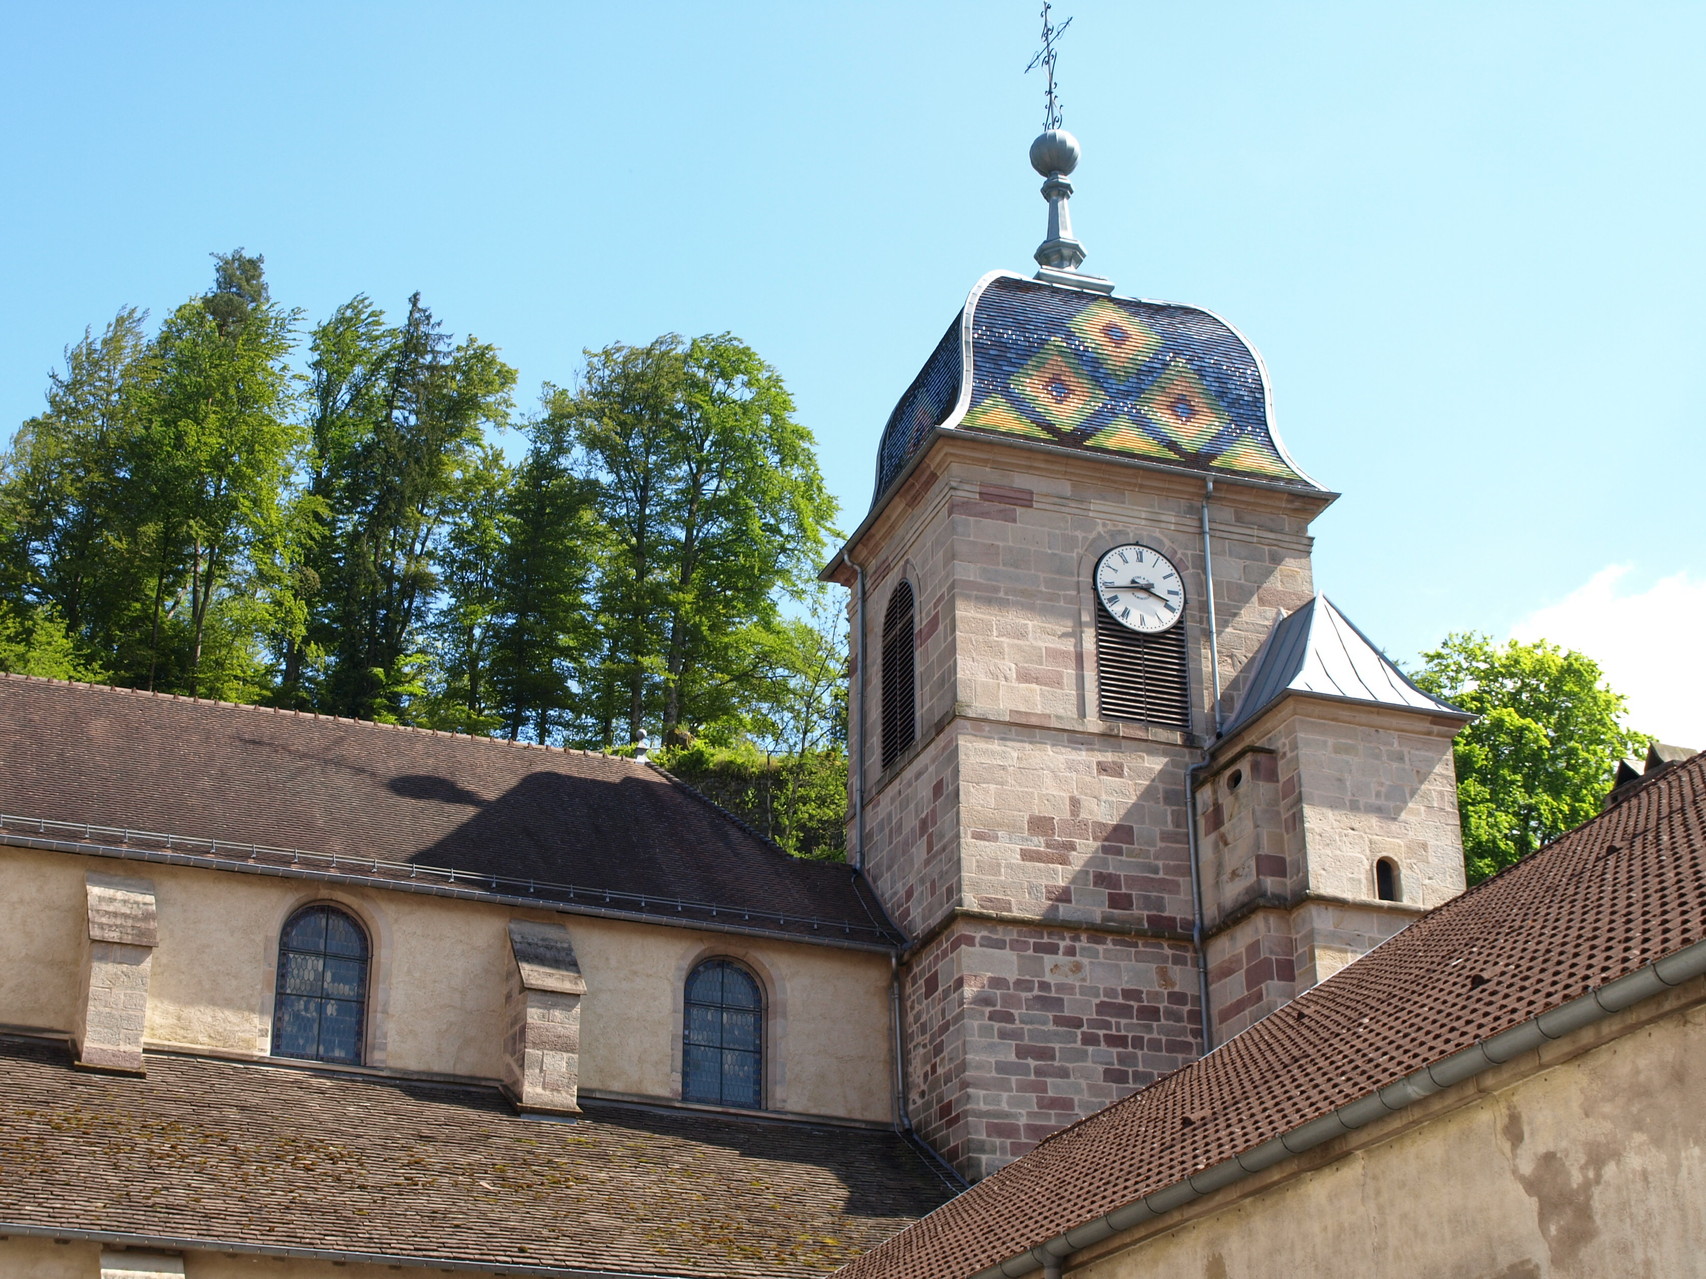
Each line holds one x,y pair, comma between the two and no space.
1103,777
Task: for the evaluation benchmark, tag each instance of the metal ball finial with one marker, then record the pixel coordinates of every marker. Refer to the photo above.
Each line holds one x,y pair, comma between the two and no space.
1055,152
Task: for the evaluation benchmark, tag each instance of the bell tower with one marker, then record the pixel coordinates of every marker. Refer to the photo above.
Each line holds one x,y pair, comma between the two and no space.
1084,530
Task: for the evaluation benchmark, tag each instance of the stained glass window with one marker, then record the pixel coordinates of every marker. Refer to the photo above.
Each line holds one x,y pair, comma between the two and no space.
722,1051
321,1005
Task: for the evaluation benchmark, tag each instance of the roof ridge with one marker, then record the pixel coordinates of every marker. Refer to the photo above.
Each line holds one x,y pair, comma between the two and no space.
312,715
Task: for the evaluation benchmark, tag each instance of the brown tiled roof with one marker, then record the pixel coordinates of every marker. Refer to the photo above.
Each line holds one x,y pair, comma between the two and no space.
506,817
1611,897
262,1156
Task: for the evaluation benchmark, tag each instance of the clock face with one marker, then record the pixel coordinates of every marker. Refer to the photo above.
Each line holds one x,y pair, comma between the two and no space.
1140,588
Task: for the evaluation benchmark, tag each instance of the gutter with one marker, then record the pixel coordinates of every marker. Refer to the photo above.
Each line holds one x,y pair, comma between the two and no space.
1595,1006
431,888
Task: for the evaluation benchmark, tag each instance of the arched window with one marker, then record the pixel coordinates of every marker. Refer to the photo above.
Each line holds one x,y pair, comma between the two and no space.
722,1049
321,1005
899,712
1386,879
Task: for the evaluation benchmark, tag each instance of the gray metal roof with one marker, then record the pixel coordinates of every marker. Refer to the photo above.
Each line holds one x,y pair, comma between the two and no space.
1318,650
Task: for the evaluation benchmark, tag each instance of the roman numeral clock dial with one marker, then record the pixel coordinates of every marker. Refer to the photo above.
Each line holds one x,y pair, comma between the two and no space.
1140,588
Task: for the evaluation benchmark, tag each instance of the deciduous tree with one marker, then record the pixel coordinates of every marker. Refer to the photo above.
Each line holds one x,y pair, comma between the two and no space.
1538,759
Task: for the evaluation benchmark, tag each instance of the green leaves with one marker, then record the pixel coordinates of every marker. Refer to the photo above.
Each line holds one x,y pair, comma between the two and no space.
1539,758
193,514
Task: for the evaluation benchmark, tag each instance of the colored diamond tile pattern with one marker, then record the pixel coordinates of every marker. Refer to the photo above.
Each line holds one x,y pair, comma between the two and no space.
1169,384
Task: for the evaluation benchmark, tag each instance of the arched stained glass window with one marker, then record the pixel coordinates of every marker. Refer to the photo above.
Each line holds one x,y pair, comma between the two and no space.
321,1004
722,1049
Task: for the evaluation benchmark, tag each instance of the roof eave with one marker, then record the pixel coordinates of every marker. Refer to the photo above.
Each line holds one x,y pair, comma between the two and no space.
1237,727
833,570
429,888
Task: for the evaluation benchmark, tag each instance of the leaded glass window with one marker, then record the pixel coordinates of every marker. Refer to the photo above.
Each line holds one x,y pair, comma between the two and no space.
321,1006
722,1051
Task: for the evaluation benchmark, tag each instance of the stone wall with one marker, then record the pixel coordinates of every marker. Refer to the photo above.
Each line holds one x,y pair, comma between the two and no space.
1293,816
1016,1030
1022,818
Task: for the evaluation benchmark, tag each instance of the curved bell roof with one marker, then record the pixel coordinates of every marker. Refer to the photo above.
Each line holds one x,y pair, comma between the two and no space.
1157,382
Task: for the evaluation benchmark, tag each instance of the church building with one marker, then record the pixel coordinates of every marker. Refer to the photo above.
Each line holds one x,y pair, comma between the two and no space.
284,995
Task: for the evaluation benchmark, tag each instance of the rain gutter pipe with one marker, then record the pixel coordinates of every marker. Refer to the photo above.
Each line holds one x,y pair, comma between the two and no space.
1595,1006
859,755
1193,842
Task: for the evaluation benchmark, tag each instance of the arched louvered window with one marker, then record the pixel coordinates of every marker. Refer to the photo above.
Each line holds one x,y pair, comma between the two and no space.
320,1008
722,1048
1386,880
900,718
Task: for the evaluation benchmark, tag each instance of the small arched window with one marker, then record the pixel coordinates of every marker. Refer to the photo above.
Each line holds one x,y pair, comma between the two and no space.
899,712
1386,879
320,1009
722,1050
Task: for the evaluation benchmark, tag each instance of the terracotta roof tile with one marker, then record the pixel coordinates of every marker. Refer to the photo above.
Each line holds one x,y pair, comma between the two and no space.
284,1158
1614,895
245,775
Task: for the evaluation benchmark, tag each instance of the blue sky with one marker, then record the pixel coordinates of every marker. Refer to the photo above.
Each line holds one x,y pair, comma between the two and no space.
1465,236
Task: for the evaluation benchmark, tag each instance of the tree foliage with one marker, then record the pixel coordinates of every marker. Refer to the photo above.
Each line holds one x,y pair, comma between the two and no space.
711,506
232,507
1538,759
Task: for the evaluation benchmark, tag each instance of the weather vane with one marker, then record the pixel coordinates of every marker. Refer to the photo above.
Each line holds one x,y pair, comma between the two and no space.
1045,59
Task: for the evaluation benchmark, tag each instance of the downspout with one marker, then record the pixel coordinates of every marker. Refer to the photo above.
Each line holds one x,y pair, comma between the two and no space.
1193,843
1198,940
902,1120
859,723
1208,590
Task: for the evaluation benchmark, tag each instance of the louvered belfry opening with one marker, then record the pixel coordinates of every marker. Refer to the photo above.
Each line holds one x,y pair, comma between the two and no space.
899,716
1142,676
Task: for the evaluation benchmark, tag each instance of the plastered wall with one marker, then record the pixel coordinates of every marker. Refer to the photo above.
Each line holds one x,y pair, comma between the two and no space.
1565,1164
437,984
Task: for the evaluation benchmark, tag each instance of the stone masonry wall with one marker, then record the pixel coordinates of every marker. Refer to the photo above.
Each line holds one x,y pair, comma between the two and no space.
1019,1030
1021,817
1293,819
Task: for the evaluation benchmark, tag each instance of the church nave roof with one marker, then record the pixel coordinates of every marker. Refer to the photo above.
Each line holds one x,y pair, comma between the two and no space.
85,767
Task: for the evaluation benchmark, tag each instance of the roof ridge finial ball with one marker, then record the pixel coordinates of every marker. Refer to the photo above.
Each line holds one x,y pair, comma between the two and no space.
1055,152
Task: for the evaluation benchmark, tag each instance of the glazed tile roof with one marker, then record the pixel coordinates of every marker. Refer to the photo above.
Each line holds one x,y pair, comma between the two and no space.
1317,649
1611,897
1167,384
432,811
266,1157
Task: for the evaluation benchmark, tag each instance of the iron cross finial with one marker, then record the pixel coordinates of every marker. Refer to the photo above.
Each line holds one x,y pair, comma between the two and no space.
1045,59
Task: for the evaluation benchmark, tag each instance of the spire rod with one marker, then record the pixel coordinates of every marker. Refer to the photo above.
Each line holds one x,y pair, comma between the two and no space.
1045,59
1054,155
